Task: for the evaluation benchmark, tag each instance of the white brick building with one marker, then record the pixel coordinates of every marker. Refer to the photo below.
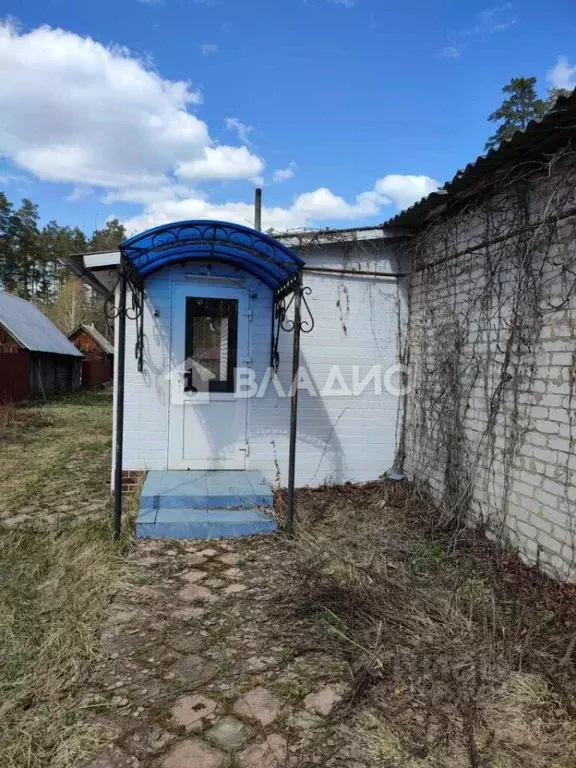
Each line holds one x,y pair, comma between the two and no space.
346,431
492,346
485,322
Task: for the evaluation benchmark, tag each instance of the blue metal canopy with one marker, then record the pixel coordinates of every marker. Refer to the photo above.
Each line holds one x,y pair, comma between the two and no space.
213,241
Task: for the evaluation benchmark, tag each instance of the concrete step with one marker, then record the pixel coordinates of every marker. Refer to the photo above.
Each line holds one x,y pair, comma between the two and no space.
188,523
205,490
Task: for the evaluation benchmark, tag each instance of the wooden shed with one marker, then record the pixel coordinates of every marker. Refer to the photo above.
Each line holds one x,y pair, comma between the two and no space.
98,351
36,358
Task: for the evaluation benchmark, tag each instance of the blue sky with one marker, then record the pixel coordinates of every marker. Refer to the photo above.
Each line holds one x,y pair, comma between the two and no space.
346,110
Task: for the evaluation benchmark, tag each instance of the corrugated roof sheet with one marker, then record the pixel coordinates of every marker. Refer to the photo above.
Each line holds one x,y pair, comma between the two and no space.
540,137
29,326
99,338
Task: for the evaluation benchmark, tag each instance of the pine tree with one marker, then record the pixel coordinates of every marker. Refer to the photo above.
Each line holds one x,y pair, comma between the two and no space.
520,106
553,96
109,238
59,243
25,253
6,251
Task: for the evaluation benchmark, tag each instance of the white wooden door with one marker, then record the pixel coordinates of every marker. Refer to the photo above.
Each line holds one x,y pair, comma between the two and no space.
209,341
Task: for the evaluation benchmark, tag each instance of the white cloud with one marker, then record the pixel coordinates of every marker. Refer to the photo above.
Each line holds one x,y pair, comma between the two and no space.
562,75
6,178
345,3
222,163
450,52
97,117
76,111
284,174
307,210
322,204
151,2
152,195
208,48
493,20
79,193
242,129
490,21
404,191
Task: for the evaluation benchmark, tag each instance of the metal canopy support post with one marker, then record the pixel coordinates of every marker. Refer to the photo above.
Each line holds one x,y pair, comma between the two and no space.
243,248
294,404
120,369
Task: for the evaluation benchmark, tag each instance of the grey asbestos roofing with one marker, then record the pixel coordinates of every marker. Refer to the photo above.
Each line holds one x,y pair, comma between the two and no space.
32,329
540,137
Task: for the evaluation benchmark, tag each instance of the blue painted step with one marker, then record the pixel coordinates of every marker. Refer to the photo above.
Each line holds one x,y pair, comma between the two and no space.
204,505
203,524
200,490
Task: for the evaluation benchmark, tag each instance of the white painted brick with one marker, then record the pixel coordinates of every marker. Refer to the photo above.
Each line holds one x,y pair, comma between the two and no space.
528,530
542,524
554,487
549,543
535,438
537,512
546,427
338,439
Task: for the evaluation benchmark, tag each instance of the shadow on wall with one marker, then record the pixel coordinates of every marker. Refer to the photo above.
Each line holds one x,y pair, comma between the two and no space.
316,427
321,457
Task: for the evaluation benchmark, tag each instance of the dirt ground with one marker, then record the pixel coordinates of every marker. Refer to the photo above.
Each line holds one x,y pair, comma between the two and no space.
55,459
384,634
206,668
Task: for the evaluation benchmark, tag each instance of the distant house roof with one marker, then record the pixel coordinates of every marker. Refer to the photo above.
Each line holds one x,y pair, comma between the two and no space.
32,329
540,137
95,334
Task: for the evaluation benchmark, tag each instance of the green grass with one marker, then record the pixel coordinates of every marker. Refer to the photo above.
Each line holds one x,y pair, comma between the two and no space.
427,555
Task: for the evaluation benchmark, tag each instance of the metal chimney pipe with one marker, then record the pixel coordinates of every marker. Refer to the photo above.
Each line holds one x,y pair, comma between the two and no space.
258,210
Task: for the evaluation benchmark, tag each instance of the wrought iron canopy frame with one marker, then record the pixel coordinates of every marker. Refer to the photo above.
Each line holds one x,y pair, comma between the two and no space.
135,311
270,261
284,301
254,252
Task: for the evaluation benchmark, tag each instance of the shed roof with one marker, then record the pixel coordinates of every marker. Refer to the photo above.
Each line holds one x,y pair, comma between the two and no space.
95,335
539,138
32,329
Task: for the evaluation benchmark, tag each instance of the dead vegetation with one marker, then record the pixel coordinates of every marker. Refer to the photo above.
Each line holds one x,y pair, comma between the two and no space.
462,654
57,580
56,586
55,458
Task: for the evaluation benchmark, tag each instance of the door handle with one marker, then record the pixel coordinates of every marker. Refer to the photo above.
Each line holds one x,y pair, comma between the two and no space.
188,386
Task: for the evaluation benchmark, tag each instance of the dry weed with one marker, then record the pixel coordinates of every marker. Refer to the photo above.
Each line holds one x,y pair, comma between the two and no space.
56,586
459,647
56,581
55,456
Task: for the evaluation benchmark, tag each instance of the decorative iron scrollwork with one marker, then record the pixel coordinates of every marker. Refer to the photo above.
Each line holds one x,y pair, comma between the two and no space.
281,320
254,252
135,311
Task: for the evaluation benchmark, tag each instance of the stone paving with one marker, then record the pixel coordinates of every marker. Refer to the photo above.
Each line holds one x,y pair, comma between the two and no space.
204,669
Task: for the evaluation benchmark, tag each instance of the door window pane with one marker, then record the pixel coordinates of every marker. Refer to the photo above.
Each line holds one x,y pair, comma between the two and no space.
211,344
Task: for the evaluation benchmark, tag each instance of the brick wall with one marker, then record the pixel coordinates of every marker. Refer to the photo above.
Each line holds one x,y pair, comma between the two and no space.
132,479
490,418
